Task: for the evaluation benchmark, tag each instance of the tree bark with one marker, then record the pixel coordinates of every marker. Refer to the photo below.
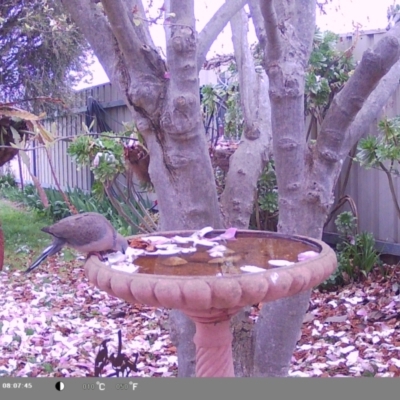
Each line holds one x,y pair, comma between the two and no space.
248,161
307,175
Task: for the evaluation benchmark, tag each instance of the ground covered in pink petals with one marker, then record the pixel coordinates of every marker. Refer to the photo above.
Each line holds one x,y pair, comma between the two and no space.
52,324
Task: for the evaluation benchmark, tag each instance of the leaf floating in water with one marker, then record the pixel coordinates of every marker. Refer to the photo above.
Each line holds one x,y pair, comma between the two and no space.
202,232
219,247
130,268
173,261
307,255
251,268
217,251
158,239
138,243
132,254
229,234
171,249
280,263
188,250
181,239
224,260
117,257
204,242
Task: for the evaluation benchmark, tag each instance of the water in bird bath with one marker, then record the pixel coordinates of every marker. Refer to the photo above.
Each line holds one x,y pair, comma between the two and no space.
209,254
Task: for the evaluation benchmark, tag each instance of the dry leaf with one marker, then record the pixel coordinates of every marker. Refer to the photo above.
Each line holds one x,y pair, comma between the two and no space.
375,315
222,260
138,243
337,318
173,261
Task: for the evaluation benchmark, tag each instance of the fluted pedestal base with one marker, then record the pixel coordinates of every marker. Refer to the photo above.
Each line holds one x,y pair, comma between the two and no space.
213,340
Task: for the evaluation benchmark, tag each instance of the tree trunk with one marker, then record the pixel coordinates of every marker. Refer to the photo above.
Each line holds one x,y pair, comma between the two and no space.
276,332
182,330
165,103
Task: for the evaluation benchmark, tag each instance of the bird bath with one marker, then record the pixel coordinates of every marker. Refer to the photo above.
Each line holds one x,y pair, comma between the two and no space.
210,296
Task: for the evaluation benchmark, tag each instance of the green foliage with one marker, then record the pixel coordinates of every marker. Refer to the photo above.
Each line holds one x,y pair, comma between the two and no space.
226,96
7,181
42,51
265,214
267,189
374,152
104,156
328,70
383,153
233,116
346,225
356,252
58,209
22,233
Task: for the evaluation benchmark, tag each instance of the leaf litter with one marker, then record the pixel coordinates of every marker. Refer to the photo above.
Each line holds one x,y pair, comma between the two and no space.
54,323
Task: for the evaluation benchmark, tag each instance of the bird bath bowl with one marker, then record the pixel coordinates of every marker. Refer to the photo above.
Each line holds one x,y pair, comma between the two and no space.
210,298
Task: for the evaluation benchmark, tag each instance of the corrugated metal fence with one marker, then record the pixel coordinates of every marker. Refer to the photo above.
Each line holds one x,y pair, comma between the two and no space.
369,188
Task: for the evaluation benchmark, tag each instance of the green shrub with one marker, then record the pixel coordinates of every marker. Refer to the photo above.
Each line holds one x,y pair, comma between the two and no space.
7,181
265,213
58,208
356,252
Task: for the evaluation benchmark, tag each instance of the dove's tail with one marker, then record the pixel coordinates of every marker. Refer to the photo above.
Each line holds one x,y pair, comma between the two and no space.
49,251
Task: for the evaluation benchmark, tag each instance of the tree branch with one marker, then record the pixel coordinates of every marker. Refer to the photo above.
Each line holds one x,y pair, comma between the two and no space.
248,161
271,28
258,21
94,26
374,65
304,11
372,108
181,43
124,30
142,29
214,27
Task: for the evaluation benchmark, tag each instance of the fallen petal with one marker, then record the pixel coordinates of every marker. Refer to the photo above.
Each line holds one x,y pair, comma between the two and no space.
131,268
219,247
185,250
158,239
202,232
117,257
280,263
204,242
229,234
216,254
307,255
251,268
130,251
181,239
165,252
